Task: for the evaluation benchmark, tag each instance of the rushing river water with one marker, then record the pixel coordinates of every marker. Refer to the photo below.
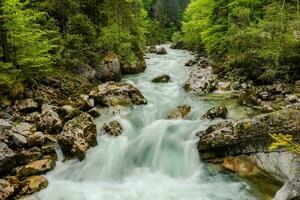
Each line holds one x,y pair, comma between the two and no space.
154,158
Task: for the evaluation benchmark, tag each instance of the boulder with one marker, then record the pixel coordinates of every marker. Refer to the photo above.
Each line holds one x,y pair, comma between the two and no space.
35,168
201,80
114,94
29,155
7,158
289,191
4,124
39,139
216,112
233,138
109,69
12,139
152,49
6,189
249,96
23,128
33,184
165,78
180,112
113,128
27,106
161,51
78,135
50,121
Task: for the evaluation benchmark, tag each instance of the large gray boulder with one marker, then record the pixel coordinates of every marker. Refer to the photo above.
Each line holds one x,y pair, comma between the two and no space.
201,80
78,135
109,69
114,94
233,138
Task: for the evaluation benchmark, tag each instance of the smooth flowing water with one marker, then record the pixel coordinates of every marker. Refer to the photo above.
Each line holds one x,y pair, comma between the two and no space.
154,158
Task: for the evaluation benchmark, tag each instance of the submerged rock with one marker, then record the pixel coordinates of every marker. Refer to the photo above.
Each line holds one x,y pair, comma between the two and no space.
113,128
78,135
161,51
180,112
165,78
114,94
241,165
232,138
216,112
33,184
201,80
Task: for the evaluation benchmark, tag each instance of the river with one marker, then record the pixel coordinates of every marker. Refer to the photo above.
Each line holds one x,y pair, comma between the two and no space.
154,158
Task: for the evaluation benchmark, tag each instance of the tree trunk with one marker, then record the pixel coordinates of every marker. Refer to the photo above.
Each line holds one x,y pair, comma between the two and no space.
3,36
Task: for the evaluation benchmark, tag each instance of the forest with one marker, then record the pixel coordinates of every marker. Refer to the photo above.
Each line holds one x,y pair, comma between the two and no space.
255,39
149,99
71,35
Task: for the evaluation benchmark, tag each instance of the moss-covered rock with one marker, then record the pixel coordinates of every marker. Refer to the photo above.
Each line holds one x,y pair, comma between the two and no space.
78,135
231,138
216,112
35,168
33,184
114,94
113,128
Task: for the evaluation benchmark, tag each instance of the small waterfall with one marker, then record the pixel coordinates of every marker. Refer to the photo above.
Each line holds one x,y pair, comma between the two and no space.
154,158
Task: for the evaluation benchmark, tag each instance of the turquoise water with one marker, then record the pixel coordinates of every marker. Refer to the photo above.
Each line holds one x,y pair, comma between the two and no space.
154,158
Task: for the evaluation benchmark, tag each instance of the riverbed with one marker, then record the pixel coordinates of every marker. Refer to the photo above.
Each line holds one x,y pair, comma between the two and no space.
154,158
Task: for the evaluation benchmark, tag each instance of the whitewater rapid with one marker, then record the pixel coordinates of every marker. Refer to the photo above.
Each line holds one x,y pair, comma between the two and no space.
154,158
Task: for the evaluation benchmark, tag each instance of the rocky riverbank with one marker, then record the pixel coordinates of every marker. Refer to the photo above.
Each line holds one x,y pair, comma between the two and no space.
243,146
56,113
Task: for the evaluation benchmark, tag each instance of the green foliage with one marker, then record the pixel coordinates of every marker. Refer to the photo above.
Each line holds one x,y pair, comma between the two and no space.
113,39
256,39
